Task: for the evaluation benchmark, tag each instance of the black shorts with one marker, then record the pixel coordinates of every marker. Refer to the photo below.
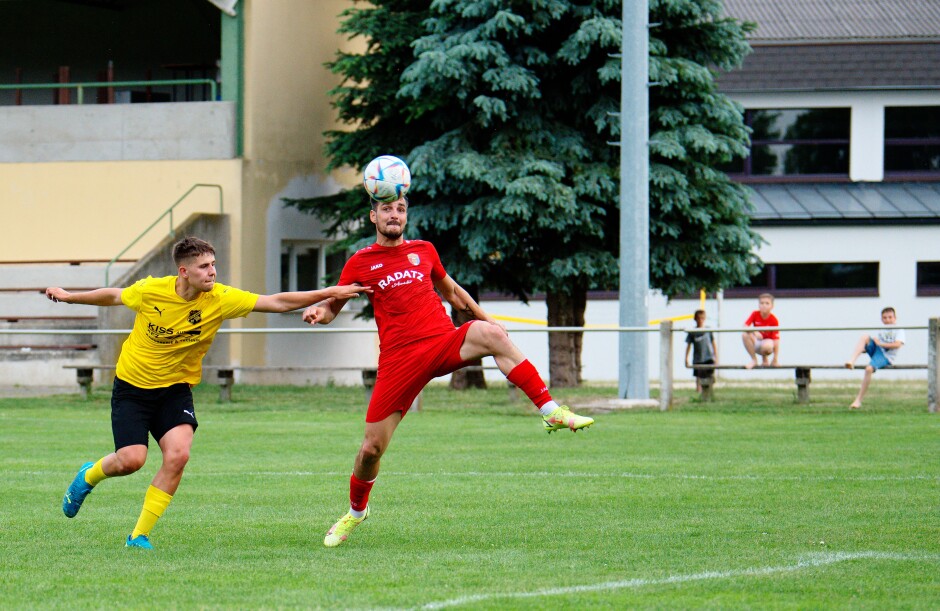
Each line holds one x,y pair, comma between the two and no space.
703,373
135,412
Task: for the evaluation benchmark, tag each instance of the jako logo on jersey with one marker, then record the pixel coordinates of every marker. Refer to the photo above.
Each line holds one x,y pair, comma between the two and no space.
410,275
415,259
376,266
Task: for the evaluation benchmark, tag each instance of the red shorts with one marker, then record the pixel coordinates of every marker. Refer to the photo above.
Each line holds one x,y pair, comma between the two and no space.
403,372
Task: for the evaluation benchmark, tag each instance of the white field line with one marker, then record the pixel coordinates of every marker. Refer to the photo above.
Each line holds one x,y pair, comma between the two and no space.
195,472
577,475
810,561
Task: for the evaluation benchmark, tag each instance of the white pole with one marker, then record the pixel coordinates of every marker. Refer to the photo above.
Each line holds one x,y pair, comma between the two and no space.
665,365
634,200
933,363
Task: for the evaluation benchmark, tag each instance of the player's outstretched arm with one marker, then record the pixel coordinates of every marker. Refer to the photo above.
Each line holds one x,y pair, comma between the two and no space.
461,300
294,300
109,296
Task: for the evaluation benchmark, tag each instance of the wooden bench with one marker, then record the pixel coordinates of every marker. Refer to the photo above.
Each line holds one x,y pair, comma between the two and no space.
31,347
802,375
85,375
34,319
226,376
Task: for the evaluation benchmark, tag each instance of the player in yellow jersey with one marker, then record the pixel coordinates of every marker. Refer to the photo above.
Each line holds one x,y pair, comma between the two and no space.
177,319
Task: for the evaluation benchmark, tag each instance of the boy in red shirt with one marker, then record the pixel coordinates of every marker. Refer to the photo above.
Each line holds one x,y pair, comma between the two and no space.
763,343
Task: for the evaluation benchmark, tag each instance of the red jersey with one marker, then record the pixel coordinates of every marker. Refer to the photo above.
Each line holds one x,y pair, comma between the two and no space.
771,321
407,308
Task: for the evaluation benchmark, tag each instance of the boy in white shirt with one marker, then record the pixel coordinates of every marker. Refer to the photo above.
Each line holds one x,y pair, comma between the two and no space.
881,347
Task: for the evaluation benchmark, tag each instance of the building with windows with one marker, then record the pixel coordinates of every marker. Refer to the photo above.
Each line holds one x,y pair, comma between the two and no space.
843,98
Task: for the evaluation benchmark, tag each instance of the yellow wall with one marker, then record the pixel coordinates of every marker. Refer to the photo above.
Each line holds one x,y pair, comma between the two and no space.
287,106
287,109
82,211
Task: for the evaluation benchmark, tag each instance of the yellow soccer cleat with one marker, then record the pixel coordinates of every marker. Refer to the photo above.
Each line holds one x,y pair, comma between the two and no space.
342,529
563,418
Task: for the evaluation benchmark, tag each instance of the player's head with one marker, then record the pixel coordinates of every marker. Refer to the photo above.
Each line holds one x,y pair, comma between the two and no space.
889,316
700,317
765,303
390,218
195,260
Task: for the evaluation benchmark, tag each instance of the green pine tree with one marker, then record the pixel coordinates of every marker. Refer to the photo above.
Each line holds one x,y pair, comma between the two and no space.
700,236
504,112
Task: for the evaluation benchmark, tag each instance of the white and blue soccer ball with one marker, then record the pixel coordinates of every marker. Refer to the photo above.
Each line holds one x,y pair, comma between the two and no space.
386,178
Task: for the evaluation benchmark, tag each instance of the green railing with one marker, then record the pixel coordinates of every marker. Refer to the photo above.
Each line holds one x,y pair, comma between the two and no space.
168,212
112,84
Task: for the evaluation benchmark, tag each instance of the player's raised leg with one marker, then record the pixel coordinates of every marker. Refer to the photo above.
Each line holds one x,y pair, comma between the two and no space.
80,488
125,461
488,339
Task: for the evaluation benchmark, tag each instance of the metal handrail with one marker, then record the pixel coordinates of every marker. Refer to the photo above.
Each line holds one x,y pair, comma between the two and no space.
110,84
169,211
310,329
321,329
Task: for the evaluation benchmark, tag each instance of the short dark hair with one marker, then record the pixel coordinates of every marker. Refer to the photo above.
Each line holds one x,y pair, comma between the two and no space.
190,247
889,309
697,312
374,203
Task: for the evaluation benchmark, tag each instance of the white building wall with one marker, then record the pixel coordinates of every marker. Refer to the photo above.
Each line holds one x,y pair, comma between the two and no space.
897,248
866,149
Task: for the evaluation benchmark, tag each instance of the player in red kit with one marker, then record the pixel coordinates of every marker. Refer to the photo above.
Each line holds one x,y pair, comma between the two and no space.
418,342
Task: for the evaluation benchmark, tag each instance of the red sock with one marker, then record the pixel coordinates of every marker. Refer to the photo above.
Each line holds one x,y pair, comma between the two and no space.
527,378
359,493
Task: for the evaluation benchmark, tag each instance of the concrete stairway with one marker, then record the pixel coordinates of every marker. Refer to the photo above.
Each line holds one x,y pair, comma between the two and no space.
38,357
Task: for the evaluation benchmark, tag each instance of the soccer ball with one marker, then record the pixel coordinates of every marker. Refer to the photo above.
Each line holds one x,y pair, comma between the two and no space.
386,178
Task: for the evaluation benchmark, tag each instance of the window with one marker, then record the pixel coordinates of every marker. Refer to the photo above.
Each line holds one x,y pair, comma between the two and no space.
928,278
793,142
813,280
308,265
912,140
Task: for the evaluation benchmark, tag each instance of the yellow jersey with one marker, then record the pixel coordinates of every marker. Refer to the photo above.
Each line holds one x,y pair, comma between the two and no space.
171,336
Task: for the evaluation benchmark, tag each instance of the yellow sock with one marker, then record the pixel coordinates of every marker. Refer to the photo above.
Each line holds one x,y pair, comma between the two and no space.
155,503
94,475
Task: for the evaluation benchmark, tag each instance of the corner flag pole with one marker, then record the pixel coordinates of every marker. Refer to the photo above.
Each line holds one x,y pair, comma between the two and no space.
634,200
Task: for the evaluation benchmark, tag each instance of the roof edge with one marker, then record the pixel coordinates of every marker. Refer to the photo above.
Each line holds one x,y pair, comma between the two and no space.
842,221
831,89
821,42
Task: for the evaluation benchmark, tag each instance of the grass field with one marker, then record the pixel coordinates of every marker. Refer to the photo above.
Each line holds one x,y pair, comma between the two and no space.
752,501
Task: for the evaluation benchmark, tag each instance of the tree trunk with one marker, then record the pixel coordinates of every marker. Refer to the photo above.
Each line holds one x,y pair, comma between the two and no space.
564,349
462,378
